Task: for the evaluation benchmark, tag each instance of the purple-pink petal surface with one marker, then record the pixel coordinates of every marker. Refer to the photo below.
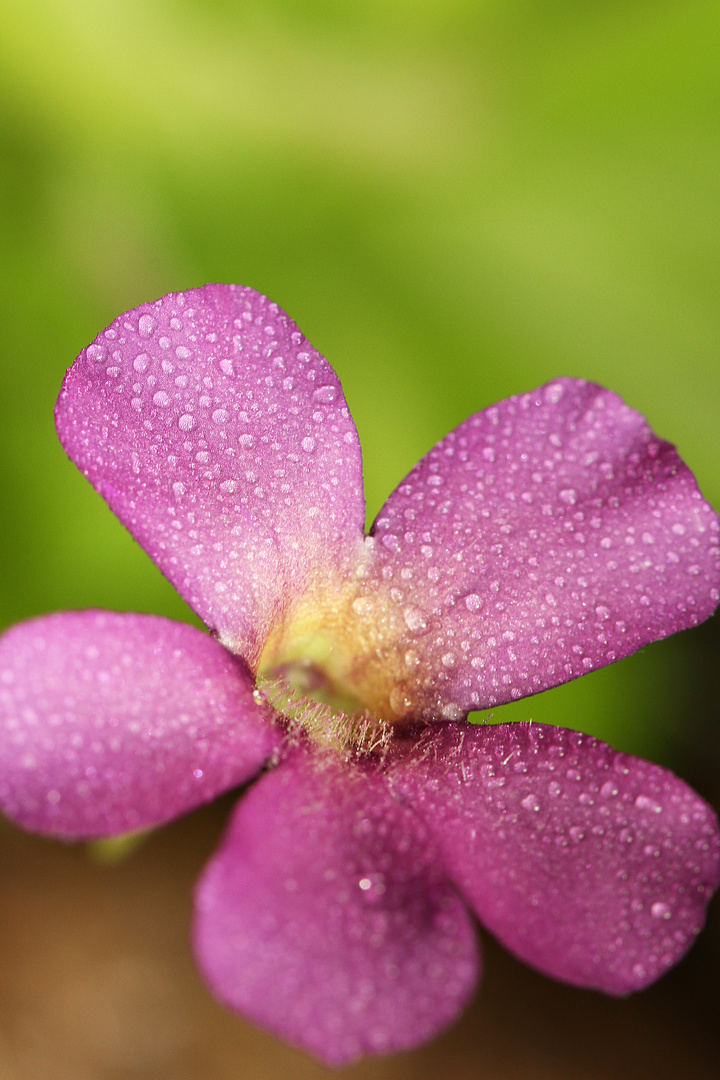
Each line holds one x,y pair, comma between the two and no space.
591,865
222,440
545,537
327,918
111,722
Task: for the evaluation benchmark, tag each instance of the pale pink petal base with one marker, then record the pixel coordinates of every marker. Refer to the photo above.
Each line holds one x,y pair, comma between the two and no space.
590,865
110,723
327,918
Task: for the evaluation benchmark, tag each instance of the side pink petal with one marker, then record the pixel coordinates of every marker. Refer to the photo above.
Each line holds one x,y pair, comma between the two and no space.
545,537
222,440
325,915
593,866
110,723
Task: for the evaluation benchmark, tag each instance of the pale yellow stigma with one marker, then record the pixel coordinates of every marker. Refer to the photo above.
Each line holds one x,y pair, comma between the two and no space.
325,725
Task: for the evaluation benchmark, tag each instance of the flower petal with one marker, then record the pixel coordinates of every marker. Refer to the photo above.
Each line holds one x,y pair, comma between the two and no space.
547,536
110,723
326,917
222,440
593,866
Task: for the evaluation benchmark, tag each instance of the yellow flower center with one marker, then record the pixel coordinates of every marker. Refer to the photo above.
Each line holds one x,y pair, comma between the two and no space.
335,668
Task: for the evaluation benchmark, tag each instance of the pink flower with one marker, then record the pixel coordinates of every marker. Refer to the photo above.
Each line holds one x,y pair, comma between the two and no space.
547,536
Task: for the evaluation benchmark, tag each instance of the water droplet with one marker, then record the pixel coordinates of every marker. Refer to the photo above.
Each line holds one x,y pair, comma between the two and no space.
400,703
644,802
186,422
146,325
414,619
161,399
140,362
568,496
308,444
473,602
220,416
554,392
325,394
660,910
530,803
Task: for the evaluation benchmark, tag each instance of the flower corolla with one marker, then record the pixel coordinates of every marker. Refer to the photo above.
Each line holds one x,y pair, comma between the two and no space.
545,537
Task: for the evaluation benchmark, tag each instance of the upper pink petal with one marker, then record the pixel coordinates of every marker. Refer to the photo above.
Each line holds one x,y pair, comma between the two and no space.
543,538
326,915
221,438
593,866
110,723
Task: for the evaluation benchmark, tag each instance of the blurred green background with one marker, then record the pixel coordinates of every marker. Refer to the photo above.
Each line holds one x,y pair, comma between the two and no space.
455,199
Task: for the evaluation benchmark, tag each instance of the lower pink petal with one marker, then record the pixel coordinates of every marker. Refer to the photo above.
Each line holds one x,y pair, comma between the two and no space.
326,917
591,865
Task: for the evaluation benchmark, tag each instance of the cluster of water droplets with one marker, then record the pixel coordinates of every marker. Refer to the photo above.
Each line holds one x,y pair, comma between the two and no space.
592,865
222,439
112,722
547,536
343,931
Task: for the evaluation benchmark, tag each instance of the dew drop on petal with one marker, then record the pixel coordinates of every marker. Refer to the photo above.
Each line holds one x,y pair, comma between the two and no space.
146,325
414,619
325,394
